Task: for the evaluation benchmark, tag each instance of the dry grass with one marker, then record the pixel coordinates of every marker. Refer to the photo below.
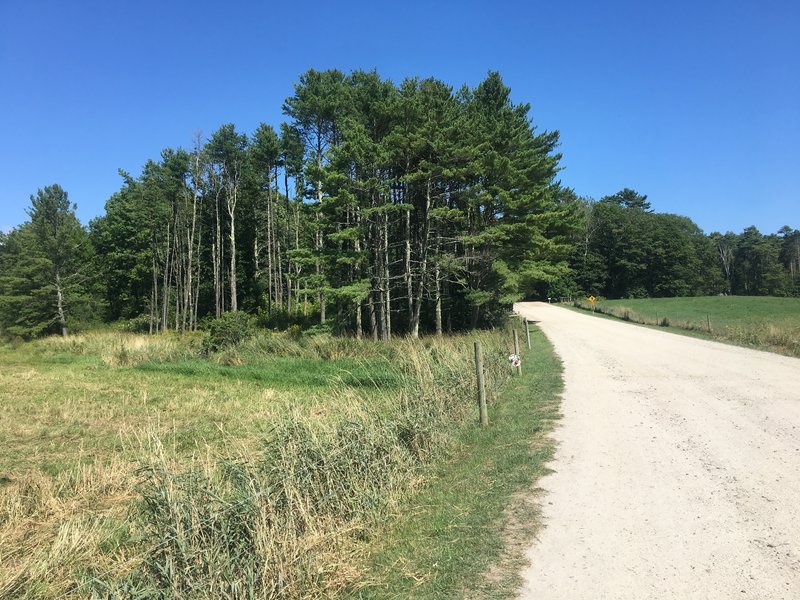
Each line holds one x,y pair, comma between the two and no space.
130,466
52,527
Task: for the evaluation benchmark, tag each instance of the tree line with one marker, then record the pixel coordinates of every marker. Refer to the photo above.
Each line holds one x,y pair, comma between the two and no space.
376,209
626,250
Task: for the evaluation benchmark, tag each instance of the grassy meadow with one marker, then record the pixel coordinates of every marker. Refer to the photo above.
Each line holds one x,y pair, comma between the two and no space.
134,466
763,322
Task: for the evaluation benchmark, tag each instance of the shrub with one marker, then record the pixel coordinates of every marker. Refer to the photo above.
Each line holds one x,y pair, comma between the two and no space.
140,324
279,319
230,329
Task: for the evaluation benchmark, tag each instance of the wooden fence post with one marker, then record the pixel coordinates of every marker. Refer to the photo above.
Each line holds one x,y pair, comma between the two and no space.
527,332
516,351
484,416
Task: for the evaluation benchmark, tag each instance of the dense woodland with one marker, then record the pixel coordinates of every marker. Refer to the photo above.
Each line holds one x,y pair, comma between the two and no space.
377,209
625,250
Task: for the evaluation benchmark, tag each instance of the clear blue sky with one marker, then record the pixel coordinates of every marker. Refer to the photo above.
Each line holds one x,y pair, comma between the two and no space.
696,104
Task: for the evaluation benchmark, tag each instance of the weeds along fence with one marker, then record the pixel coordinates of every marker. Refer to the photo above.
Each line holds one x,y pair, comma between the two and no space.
285,521
785,340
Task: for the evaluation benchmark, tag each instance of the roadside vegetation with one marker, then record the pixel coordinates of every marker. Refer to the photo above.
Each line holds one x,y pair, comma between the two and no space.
766,323
464,534
136,466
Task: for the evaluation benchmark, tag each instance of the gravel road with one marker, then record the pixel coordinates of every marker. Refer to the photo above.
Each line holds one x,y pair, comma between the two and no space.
677,473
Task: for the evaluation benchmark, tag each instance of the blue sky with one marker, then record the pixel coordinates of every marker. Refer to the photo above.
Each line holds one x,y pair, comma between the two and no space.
696,104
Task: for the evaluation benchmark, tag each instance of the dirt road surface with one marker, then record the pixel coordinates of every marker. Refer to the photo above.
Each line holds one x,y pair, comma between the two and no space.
677,473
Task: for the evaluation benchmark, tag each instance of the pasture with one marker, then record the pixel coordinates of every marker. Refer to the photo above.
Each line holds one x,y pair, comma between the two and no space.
135,466
763,322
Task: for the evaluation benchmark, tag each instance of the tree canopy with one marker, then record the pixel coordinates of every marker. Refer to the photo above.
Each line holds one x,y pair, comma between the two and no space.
44,276
376,209
625,250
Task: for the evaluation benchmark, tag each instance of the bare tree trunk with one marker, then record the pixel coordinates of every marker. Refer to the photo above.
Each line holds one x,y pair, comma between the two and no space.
297,268
154,298
476,310
287,241
231,202
297,293
179,266
215,260
270,265
297,224
195,306
382,312
62,319
438,280
318,248
359,331
423,258
288,244
376,314
178,293
407,274
726,255
189,267
165,290
217,256
437,276
318,233
188,293
276,241
387,280
256,252
279,274
357,274
289,285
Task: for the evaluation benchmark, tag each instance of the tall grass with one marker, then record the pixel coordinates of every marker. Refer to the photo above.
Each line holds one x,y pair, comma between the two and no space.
283,519
119,349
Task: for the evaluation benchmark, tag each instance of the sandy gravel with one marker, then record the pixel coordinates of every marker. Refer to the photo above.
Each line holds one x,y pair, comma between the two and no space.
677,472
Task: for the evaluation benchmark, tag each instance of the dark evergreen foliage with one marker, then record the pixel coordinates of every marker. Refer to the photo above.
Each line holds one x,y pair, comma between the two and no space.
624,250
45,273
377,209
380,208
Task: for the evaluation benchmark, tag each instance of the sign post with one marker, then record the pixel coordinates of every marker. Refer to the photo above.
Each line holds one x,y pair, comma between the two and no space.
527,332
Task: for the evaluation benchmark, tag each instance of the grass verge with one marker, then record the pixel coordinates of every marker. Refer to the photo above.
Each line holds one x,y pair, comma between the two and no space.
463,535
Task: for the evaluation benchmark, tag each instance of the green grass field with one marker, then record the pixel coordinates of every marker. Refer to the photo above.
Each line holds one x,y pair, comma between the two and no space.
132,466
763,322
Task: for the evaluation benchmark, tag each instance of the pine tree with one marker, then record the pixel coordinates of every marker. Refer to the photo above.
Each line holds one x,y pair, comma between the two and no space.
43,279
